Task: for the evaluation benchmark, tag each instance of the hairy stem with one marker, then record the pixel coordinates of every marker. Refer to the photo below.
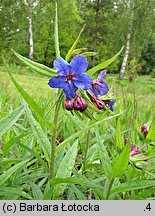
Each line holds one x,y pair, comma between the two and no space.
109,188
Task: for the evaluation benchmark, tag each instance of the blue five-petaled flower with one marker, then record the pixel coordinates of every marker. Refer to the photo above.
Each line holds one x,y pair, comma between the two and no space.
71,76
99,87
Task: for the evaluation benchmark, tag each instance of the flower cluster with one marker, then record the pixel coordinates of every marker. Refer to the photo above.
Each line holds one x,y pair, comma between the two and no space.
134,150
72,77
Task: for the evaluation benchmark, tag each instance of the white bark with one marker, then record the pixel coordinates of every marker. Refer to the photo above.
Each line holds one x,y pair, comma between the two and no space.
30,30
127,49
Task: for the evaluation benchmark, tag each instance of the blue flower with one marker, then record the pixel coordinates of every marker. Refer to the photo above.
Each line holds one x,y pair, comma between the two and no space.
71,76
99,87
111,104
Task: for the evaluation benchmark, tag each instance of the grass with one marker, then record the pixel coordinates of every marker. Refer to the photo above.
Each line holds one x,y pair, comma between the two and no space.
90,158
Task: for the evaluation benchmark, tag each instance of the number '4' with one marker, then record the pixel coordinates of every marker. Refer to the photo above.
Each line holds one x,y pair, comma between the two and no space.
148,207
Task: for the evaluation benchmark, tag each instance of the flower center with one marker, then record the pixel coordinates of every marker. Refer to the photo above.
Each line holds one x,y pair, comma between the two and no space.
69,77
95,83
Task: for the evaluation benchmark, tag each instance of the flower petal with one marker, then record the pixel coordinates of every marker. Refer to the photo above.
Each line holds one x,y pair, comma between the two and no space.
100,88
111,104
63,68
83,82
70,90
57,82
79,65
101,75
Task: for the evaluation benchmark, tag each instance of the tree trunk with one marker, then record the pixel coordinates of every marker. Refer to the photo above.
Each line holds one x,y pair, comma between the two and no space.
30,30
127,49
96,31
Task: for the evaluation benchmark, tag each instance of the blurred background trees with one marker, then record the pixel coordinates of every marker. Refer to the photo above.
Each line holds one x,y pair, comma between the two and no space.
110,24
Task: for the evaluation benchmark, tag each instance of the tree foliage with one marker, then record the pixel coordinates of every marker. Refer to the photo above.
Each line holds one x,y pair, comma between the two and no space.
107,23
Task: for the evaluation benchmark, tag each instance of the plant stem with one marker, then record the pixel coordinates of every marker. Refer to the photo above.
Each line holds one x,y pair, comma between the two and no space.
55,130
86,150
109,189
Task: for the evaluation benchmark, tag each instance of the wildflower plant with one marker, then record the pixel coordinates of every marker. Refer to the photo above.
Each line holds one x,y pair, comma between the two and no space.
81,97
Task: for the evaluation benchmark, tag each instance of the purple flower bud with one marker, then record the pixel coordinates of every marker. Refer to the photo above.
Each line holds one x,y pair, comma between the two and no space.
144,130
143,127
68,104
80,104
98,103
126,140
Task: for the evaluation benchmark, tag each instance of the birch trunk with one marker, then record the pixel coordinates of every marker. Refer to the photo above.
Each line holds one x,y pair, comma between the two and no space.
30,30
127,49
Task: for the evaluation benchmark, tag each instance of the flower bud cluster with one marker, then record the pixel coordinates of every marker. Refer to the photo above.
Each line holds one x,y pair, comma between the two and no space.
77,103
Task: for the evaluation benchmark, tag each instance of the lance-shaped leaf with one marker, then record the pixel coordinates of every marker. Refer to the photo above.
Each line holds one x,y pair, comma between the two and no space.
7,122
39,133
103,64
5,176
37,67
71,51
65,168
121,163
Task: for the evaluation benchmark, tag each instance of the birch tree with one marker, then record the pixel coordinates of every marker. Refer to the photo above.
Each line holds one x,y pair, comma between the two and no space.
139,20
30,4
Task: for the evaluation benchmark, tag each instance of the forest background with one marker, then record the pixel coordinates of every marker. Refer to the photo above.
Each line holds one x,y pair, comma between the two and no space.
109,25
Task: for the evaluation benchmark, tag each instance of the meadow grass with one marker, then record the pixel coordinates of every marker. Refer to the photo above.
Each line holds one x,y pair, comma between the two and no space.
88,151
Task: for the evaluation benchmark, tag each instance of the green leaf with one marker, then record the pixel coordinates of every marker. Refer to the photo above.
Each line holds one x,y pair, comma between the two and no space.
35,154
118,134
33,105
84,130
103,64
9,192
39,133
39,68
65,168
5,176
71,180
27,97
89,54
121,163
71,51
127,186
11,142
37,193
6,161
7,122
103,155
79,194
151,134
